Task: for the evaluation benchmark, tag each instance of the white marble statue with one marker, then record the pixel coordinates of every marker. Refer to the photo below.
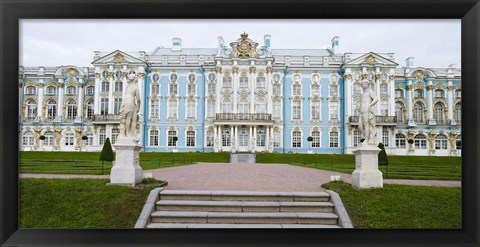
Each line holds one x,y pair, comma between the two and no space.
128,112
366,121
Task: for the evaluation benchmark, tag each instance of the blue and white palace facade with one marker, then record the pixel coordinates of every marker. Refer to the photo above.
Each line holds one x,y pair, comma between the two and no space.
243,97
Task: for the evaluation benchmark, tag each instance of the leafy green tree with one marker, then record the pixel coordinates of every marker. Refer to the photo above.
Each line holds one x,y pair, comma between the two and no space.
107,153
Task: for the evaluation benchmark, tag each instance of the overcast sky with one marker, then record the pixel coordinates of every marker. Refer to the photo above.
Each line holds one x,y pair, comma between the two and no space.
433,43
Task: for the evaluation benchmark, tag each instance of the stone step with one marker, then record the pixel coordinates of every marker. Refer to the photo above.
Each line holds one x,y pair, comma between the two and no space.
243,206
243,196
243,217
241,226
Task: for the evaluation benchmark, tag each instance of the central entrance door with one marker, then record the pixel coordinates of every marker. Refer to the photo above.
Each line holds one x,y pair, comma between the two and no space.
243,139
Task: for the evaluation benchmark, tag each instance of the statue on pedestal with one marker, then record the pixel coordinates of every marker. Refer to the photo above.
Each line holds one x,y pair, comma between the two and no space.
128,112
366,121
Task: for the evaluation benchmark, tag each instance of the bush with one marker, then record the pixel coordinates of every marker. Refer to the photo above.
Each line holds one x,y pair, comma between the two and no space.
175,138
362,139
107,152
42,137
309,138
382,156
84,138
410,141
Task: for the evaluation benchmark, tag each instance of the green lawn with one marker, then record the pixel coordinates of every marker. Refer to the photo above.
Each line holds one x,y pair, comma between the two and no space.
401,206
88,162
79,203
400,167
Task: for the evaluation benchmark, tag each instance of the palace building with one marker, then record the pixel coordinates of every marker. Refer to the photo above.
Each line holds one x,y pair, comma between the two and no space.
243,97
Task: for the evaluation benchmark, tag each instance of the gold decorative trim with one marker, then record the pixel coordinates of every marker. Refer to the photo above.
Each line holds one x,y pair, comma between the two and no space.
119,57
392,77
72,72
235,69
252,69
348,77
370,59
218,69
269,69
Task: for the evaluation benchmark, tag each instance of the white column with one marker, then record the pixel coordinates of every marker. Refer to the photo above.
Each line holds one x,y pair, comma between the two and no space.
60,100
40,100
267,138
269,89
348,95
377,92
218,85
80,100
235,88
20,99
409,102
236,137
252,89
431,121
110,91
98,88
231,136
143,99
215,136
391,88
250,134
254,137
450,100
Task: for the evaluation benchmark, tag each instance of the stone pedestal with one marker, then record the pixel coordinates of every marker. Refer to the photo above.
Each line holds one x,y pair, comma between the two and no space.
366,174
126,169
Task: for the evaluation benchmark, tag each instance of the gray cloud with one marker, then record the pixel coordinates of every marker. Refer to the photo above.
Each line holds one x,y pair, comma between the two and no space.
433,43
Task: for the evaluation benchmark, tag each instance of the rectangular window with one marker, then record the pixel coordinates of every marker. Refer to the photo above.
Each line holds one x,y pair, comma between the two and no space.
296,139
211,88
69,139
261,82
155,89
277,90
316,139
334,90
173,89
116,105
118,86
191,90
384,109
190,138
333,110
48,140
276,139
226,137
105,86
89,139
115,133
191,109
104,106
385,138
357,135
172,109
315,110
243,82
153,138
383,88
277,109
334,139
210,108
210,139
171,141
227,82
400,141
297,90
296,110
101,137
154,109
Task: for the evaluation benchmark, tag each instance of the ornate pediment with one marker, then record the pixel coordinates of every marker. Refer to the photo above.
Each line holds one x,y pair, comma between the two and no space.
370,58
118,57
244,47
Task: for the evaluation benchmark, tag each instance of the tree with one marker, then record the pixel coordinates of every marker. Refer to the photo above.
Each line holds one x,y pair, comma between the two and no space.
107,153
382,157
309,139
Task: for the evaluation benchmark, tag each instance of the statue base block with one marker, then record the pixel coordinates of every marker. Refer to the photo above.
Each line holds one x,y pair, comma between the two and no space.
366,174
127,169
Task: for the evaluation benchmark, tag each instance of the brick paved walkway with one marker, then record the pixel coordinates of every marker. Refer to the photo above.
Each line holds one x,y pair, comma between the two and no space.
248,177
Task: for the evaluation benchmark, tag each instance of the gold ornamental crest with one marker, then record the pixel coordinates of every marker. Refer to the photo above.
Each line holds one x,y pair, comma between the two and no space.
244,47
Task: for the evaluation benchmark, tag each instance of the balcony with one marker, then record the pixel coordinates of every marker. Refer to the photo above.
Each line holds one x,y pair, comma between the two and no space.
247,117
109,118
380,120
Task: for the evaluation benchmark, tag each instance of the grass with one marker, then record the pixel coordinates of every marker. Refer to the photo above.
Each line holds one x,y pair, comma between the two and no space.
401,206
79,203
400,167
88,162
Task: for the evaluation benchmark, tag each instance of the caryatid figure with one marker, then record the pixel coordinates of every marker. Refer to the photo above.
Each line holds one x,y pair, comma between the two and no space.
367,114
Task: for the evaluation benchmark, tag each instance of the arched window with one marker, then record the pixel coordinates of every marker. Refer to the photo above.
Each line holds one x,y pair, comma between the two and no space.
226,137
89,141
418,93
261,106
190,138
438,112
316,139
31,109
71,109
243,80
51,90
227,106
105,86
400,141
153,138
439,93
171,141
117,103
399,108
191,104
28,139
297,90
118,86
420,141
69,138
441,141
155,108
243,106
398,93
418,110
30,90
173,77
211,76
210,138
191,89
156,77
458,112
261,137
104,106
48,138
71,90
173,88
334,139
261,80
297,139
51,109
90,110
192,77
315,110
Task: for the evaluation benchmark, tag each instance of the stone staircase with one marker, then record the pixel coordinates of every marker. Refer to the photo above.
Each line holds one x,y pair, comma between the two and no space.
248,158
237,209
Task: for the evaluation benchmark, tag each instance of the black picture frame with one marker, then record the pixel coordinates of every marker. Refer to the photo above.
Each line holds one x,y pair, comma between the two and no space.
12,11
